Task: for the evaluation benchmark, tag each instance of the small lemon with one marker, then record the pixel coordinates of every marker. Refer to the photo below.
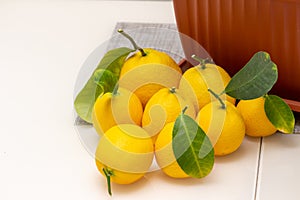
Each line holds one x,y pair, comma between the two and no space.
164,107
119,107
224,126
164,153
195,82
124,154
256,120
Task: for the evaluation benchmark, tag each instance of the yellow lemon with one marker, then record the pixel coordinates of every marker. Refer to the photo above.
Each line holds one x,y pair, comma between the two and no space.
146,74
224,126
124,153
195,82
256,120
120,107
164,107
164,153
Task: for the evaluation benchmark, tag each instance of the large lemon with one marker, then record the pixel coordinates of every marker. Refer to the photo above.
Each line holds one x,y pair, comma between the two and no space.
124,153
196,81
164,153
164,107
120,107
256,120
224,126
147,74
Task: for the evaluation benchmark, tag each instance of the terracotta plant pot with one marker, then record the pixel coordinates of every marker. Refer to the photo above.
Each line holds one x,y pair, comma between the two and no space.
233,30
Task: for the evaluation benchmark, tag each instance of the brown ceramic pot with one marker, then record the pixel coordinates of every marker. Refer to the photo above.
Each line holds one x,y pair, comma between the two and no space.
233,30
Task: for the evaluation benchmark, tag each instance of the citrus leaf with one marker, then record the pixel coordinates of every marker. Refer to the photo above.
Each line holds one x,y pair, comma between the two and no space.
105,79
255,79
112,61
85,100
279,114
192,148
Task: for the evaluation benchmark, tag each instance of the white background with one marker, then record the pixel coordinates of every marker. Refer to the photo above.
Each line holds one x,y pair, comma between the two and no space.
42,47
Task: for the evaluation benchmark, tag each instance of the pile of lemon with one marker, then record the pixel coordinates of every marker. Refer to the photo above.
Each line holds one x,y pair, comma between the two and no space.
136,120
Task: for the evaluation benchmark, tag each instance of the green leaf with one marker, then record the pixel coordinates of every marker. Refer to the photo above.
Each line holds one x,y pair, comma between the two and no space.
113,60
192,148
85,100
105,78
279,114
255,79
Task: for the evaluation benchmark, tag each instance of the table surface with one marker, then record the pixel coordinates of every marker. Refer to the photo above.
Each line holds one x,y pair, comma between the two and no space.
43,47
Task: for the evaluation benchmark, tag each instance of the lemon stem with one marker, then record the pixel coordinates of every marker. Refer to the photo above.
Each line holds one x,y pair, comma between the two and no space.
135,46
115,90
108,174
184,109
223,106
223,92
202,61
173,90
265,96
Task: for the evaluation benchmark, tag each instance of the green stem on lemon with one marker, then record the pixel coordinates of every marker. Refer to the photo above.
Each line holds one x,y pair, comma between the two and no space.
135,46
115,90
202,61
223,92
108,173
184,109
265,96
223,106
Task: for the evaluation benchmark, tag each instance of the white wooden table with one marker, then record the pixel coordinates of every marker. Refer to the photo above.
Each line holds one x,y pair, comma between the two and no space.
42,48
